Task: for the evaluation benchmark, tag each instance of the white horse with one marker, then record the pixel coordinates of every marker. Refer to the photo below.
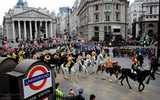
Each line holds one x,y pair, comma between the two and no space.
76,70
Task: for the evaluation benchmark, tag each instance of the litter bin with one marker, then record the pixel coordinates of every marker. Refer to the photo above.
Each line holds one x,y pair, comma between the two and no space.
31,80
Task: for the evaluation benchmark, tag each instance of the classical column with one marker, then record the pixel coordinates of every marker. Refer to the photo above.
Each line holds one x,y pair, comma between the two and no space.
46,29
30,25
40,26
25,33
19,30
36,32
14,34
51,29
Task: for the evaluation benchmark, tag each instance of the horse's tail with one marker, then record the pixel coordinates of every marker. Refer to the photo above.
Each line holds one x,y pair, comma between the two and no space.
151,75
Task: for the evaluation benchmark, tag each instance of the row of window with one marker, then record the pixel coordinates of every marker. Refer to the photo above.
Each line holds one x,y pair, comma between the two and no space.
151,9
107,29
151,16
107,16
108,7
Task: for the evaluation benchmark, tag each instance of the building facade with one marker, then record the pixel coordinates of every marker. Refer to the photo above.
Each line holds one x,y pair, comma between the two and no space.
150,17
26,23
135,12
63,19
143,15
1,35
100,19
74,20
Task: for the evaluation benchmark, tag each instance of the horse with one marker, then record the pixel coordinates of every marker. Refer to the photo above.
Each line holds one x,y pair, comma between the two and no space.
116,69
139,77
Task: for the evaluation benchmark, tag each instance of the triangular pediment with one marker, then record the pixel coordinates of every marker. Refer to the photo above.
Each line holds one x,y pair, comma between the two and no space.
31,14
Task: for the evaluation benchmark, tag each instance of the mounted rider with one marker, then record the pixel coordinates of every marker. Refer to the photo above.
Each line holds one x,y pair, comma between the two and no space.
109,63
134,63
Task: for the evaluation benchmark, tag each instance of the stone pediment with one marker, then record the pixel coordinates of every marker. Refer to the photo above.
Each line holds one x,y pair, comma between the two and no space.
31,14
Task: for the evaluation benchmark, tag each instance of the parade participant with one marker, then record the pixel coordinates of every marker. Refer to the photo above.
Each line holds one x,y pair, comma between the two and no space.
140,59
34,56
59,93
79,61
134,63
109,63
109,66
69,62
93,60
21,55
57,62
154,64
88,60
93,55
46,55
100,58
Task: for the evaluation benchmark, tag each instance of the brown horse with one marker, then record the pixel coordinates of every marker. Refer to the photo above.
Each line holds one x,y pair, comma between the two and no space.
116,69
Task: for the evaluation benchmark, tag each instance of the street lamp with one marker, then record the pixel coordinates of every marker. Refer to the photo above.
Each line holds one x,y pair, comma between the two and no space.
158,37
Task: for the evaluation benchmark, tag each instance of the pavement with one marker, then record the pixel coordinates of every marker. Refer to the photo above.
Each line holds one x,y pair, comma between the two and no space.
112,90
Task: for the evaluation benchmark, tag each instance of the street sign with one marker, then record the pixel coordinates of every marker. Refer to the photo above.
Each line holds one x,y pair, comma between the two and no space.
38,79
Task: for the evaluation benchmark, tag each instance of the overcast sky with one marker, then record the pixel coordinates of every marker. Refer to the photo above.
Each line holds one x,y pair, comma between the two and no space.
52,5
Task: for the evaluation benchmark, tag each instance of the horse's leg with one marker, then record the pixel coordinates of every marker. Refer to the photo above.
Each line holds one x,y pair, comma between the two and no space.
116,74
147,82
122,78
98,69
110,75
139,87
85,68
58,68
128,83
62,69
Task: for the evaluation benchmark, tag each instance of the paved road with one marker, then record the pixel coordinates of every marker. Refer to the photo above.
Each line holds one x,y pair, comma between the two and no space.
106,90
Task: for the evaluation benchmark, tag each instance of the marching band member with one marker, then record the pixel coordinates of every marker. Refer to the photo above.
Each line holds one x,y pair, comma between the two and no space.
21,55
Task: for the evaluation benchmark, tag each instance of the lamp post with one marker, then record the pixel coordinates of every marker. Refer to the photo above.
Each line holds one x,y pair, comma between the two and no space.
158,37
68,25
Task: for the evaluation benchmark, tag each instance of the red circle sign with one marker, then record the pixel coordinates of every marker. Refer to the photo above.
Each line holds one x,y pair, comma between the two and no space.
31,73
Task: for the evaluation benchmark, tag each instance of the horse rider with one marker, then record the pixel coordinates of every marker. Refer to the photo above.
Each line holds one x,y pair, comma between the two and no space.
109,66
79,61
88,60
134,63
100,58
69,62
140,59
109,63
57,61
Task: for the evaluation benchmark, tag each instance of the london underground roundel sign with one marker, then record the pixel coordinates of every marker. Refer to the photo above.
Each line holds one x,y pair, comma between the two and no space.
38,79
